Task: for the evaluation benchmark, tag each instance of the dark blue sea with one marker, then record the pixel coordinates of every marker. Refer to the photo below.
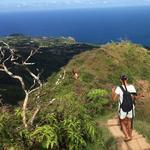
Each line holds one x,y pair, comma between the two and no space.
85,25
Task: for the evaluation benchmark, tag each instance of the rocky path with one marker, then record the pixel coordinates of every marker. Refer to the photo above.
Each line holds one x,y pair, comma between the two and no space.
137,143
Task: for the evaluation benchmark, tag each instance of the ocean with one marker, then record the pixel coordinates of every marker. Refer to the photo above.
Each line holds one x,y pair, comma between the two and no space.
99,25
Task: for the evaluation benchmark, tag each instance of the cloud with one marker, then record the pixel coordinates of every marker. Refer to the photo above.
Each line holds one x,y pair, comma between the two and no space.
77,1
105,2
43,4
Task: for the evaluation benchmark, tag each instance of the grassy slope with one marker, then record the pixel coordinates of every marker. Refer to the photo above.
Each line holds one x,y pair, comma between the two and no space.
109,61
102,67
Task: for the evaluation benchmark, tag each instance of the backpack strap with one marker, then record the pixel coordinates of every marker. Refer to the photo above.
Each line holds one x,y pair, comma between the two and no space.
125,85
123,90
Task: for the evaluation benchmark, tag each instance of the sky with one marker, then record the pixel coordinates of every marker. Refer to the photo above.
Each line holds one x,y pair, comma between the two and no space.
13,5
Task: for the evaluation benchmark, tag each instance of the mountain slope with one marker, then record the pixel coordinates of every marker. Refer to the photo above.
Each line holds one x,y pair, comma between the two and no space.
69,106
108,62
101,68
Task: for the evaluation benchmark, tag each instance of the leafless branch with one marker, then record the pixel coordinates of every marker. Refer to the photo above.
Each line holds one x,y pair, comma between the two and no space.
60,78
32,52
11,58
34,115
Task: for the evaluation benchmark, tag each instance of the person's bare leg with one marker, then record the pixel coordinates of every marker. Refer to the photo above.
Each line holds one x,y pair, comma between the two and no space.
129,127
120,124
124,128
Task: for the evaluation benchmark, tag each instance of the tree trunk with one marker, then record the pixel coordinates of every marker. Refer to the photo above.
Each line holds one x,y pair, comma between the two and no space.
24,117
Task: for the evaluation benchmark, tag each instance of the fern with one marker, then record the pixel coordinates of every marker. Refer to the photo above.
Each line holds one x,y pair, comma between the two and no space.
73,129
47,136
96,100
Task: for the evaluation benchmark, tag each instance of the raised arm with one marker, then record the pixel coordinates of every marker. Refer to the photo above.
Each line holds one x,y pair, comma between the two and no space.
114,96
137,97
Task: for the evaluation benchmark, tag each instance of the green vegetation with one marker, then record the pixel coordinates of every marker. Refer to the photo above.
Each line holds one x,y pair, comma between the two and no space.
105,141
76,118
64,124
142,120
143,127
96,101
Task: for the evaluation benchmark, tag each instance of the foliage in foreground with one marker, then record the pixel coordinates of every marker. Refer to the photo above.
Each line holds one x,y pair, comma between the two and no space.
143,128
50,132
104,141
64,124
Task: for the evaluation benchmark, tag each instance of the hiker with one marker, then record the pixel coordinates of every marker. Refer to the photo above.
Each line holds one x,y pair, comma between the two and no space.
75,74
127,95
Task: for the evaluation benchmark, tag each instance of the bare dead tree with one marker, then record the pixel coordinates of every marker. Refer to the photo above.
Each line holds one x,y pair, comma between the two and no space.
61,77
9,58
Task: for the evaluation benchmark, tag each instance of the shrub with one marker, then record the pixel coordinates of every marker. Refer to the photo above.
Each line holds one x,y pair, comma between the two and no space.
46,136
73,131
96,100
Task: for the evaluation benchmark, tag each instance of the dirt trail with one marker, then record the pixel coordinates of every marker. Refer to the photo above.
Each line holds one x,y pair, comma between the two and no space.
138,142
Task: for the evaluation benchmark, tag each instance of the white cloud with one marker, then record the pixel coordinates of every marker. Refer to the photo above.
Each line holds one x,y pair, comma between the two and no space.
105,2
77,2
42,4
54,2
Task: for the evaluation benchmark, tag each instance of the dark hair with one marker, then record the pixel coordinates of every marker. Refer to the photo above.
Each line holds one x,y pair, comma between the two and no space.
123,77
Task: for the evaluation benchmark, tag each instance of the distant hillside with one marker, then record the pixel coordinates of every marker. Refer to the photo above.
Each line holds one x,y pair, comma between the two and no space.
53,54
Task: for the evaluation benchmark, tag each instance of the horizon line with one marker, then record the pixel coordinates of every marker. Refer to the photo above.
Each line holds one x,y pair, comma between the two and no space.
72,8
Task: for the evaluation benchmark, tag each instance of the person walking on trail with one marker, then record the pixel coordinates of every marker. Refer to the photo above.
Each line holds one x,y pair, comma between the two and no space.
126,110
